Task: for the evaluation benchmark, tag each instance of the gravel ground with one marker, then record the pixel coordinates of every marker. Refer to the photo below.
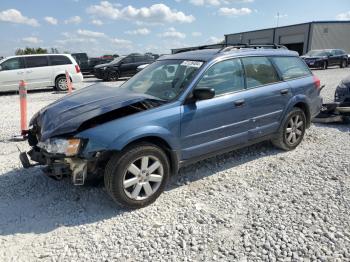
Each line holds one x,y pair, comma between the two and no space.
253,204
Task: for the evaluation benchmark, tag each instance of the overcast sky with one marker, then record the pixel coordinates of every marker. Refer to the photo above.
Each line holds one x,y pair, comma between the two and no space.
101,27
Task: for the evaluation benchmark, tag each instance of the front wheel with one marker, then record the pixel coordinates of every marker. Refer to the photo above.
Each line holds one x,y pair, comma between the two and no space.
292,130
135,178
113,76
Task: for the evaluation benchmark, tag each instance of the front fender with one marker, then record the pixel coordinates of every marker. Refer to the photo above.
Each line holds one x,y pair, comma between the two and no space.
146,131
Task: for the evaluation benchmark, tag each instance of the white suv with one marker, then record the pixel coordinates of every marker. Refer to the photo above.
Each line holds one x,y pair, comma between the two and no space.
38,71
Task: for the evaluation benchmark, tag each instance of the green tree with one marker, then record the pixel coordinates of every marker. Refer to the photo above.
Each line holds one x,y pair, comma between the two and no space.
30,51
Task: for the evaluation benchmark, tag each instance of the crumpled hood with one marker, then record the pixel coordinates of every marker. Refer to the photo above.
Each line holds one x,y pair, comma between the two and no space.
68,113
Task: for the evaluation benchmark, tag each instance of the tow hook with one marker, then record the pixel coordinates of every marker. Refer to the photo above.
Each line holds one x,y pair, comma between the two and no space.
79,171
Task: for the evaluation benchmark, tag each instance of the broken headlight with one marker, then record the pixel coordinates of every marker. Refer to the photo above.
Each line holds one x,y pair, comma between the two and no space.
68,147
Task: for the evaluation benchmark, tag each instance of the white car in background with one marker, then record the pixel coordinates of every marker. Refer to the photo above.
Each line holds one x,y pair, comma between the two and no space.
38,71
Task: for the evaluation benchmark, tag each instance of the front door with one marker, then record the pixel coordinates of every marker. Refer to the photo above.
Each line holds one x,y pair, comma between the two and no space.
12,71
220,122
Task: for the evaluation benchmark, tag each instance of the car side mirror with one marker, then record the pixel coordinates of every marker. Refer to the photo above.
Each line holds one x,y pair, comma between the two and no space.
203,93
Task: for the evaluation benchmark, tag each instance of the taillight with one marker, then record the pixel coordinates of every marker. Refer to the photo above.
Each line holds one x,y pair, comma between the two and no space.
77,68
317,82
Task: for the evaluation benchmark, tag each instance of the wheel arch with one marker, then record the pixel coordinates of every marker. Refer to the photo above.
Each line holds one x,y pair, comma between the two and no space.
300,101
161,143
303,106
64,75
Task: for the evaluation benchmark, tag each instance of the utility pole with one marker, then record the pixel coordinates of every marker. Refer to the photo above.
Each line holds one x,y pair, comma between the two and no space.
278,18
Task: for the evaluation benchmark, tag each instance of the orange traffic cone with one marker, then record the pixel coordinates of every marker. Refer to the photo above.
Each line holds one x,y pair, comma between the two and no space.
69,83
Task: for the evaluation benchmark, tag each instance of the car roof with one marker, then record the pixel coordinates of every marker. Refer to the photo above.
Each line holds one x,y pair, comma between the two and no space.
210,54
8,57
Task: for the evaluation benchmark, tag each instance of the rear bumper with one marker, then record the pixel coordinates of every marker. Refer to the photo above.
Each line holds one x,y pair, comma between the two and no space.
77,78
315,110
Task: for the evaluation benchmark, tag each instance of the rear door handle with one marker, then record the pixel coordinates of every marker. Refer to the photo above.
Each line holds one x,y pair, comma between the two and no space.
284,91
30,71
239,103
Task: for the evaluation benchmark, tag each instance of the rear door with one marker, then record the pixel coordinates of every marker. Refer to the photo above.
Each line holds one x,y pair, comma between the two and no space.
223,121
266,97
12,71
38,72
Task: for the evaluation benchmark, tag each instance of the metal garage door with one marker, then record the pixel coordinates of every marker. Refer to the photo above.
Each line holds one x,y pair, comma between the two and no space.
259,41
290,39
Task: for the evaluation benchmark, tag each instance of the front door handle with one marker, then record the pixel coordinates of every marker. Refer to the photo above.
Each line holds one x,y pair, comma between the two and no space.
30,71
284,91
239,103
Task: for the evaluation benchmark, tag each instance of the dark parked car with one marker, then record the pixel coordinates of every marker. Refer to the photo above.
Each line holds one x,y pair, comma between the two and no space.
342,93
327,57
122,66
178,110
87,64
83,61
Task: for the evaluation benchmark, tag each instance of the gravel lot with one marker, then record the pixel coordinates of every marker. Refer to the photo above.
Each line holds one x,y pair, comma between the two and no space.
254,204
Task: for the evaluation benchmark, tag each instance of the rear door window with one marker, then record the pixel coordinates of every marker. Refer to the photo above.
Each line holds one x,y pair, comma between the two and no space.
224,77
259,71
59,60
291,67
36,61
13,64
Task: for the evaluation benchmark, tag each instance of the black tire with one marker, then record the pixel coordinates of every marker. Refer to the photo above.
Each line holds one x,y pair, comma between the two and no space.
117,170
113,76
343,64
61,83
282,140
324,65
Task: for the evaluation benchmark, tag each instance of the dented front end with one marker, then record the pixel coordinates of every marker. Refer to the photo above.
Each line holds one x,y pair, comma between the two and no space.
54,134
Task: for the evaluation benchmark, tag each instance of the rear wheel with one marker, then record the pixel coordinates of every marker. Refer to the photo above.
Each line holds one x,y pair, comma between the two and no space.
138,176
343,64
292,130
61,83
324,65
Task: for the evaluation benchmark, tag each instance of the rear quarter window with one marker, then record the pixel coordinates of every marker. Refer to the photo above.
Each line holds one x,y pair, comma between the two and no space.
59,60
291,67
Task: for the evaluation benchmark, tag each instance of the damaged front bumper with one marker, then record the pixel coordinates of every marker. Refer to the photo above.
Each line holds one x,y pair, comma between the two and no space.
57,166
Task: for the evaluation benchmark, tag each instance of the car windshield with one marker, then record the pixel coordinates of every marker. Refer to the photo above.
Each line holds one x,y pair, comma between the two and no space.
318,53
164,79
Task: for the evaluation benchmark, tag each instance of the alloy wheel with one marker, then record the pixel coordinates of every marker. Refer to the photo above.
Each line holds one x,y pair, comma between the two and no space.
143,177
62,84
294,130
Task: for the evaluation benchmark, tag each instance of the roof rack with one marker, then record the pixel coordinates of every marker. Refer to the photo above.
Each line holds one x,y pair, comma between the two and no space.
254,46
225,47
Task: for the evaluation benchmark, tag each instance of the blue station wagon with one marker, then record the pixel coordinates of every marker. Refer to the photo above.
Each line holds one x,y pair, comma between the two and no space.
178,110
